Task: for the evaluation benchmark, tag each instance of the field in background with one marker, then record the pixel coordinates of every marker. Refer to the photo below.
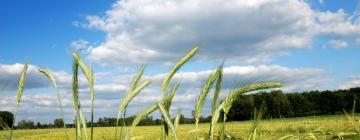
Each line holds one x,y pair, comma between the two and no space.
319,127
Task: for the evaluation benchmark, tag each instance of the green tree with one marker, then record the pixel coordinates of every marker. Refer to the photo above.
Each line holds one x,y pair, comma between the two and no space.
59,122
6,119
26,124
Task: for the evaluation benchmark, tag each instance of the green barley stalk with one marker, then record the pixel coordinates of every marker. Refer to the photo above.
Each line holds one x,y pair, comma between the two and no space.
127,100
137,77
217,87
244,89
76,99
20,90
202,97
167,102
49,75
132,95
170,96
167,119
254,131
227,102
141,116
177,119
133,91
90,77
79,116
176,67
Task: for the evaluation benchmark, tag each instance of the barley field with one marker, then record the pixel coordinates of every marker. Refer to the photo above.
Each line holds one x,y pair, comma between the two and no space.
316,127
313,127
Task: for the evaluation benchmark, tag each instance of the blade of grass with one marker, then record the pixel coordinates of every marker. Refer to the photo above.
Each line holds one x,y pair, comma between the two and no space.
20,90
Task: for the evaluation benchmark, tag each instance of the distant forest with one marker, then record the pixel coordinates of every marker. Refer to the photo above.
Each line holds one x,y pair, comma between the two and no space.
275,103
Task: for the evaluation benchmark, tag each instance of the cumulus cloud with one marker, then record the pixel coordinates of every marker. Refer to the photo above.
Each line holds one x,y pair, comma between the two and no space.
243,31
293,79
160,31
350,82
10,74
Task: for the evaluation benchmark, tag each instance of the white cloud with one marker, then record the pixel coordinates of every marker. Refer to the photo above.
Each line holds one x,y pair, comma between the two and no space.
81,45
242,31
350,82
10,74
338,44
160,31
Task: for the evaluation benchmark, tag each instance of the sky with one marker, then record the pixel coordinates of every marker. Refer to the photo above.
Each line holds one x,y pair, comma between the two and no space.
304,44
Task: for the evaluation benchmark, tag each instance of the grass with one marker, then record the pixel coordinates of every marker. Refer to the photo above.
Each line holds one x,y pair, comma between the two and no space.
322,127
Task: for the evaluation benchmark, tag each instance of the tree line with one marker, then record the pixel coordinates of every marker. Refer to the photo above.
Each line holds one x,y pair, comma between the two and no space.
275,103
283,105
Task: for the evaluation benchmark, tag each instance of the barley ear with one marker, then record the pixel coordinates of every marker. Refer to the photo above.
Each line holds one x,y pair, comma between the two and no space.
176,67
202,97
51,77
20,90
90,77
219,72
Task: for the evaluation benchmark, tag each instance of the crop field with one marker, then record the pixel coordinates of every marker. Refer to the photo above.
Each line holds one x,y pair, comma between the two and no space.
314,127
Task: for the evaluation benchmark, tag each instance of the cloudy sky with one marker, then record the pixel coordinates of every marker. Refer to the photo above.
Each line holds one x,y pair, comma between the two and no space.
305,44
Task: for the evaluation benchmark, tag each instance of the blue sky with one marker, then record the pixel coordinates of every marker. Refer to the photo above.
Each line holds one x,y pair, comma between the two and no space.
307,45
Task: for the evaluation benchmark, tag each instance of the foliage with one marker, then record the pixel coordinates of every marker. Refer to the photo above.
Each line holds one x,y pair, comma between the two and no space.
6,120
284,105
26,124
58,123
